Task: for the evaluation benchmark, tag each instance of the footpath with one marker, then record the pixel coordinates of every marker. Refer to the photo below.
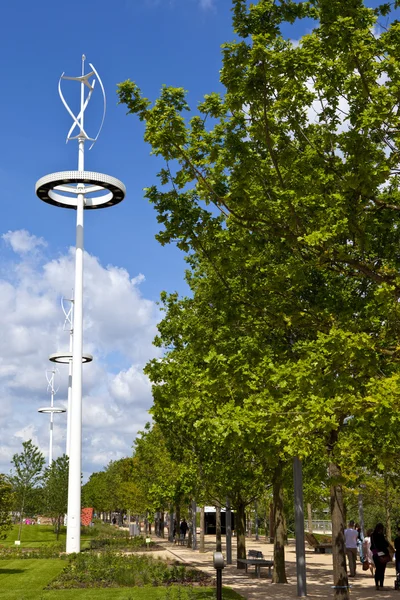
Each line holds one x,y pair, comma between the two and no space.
318,566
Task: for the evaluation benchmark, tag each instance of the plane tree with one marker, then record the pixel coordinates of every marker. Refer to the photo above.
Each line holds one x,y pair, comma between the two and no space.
300,159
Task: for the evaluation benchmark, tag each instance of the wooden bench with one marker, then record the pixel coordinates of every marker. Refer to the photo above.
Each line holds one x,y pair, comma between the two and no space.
318,548
256,558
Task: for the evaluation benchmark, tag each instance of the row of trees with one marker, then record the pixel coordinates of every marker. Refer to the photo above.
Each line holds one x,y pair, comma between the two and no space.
32,489
283,194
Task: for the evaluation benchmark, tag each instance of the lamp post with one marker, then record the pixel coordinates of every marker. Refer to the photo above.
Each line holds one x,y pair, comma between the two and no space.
79,190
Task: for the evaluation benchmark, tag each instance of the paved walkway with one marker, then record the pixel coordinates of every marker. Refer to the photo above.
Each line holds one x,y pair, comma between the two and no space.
319,573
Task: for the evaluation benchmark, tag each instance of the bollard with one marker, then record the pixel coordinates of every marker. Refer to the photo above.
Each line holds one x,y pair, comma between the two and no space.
219,564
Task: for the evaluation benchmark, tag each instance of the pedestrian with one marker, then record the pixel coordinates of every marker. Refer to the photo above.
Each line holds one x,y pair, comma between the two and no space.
350,539
368,558
183,528
360,539
380,553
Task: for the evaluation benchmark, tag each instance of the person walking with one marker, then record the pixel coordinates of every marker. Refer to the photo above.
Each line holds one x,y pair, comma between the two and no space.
350,539
360,539
380,553
183,528
367,552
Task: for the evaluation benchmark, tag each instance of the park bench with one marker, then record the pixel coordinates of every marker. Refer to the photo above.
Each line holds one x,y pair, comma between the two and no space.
256,558
181,541
318,548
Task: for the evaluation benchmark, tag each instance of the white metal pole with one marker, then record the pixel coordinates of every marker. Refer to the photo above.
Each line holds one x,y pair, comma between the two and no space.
68,448
51,439
75,458
51,419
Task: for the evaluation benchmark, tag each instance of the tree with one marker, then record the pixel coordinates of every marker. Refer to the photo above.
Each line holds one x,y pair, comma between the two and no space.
6,505
56,490
96,493
26,476
300,157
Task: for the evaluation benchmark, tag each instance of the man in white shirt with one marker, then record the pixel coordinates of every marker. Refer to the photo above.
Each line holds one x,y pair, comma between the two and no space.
350,539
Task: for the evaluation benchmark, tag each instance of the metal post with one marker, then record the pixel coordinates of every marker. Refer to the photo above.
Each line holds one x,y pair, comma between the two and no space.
71,340
228,525
67,189
256,520
219,584
194,527
202,527
219,564
299,528
75,456
51,440
361,511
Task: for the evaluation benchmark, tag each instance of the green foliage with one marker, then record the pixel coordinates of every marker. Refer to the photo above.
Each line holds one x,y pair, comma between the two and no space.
160,479
6,505
56,490
110,569
295,311
26,580
112,489
53,550
125,541
26,476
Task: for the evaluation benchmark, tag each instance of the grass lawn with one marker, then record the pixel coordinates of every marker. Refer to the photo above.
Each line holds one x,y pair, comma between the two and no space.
24,579
33,536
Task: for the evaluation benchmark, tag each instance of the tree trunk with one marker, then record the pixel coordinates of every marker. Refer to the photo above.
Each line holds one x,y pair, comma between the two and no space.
340,580
178,520
194,525
218,529
256,520
388,510
162,524
241,534
271,524
309,517
58,527
202,527
171,525
190,530
279,574
21,516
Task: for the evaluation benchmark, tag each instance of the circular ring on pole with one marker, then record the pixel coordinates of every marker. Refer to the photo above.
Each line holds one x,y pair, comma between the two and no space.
52,409
61,189
63,358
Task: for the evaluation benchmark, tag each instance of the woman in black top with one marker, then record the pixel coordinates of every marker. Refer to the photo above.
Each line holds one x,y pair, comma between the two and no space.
380,553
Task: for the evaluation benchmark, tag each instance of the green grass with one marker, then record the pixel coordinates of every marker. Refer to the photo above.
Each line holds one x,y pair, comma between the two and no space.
25,580
33,536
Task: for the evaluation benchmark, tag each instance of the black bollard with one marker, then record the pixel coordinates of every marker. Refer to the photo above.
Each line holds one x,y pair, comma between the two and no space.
219,564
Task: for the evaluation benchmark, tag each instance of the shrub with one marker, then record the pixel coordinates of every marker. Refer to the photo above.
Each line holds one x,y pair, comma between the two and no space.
110,569
43,551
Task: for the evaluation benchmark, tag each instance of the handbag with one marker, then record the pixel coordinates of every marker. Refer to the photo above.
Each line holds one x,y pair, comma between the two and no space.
365,565
384,559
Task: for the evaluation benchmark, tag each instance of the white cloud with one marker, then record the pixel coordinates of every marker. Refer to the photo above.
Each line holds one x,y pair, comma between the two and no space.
21,241
119,326
206,4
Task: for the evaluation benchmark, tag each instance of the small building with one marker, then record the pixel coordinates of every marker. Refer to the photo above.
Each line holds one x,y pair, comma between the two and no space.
210,520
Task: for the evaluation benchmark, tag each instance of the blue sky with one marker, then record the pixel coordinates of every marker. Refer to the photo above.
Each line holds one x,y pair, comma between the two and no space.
151,42
154,42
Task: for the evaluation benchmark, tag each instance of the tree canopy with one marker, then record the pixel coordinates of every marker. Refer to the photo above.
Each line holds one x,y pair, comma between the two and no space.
283,193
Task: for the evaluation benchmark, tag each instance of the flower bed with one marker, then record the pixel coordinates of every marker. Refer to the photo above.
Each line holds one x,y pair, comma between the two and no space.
110,569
